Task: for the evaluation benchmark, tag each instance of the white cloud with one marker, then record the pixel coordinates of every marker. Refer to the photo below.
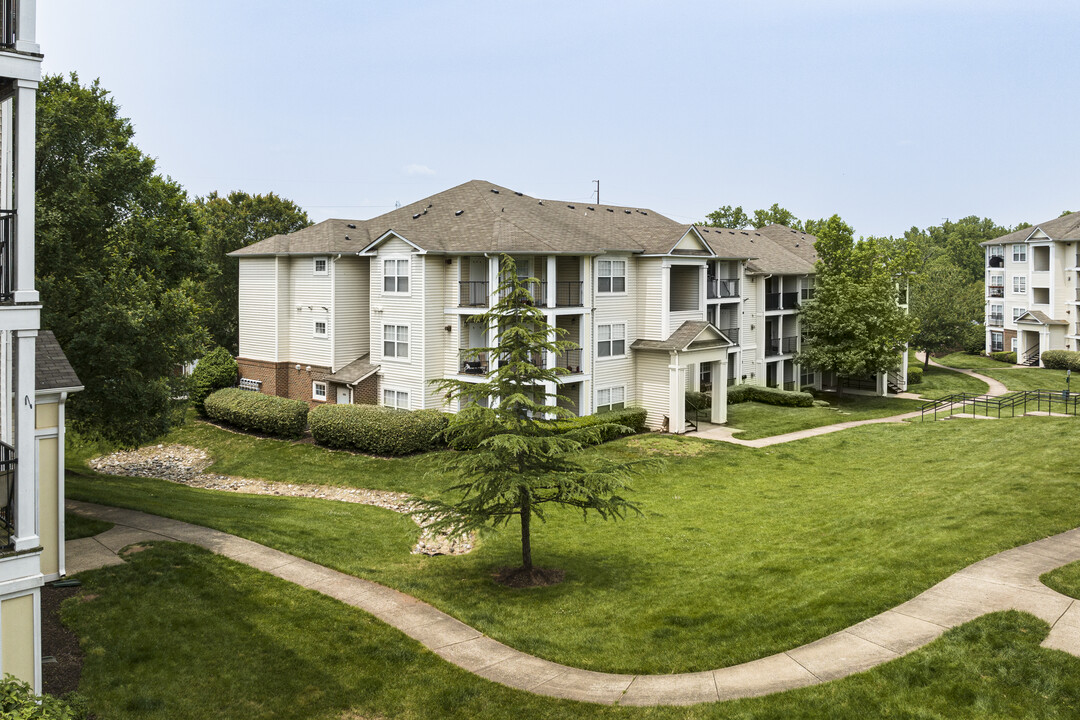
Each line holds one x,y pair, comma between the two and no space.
415,169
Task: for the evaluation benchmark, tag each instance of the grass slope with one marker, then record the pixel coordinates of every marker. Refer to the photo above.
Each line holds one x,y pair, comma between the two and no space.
77,526
740,553
757,420
180,634
1012,377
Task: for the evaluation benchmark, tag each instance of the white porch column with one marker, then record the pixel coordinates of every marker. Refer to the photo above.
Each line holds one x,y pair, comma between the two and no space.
718,414
695,376
26,27
25,109
26,510
551,286
676,396
493,280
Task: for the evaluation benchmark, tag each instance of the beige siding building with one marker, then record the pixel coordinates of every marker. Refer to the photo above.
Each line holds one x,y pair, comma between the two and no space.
656,307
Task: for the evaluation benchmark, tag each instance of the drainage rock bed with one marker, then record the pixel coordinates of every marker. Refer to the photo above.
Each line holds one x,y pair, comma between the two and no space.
185,465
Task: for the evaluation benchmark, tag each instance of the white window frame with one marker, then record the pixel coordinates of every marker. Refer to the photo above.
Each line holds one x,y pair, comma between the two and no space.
397,341
399,399
998,280
998,335
611,340
1014,343
1019,284
609,394
998,309
1019,252
315,328
1017,312
997,251
315,386
612,270
315,265
397,275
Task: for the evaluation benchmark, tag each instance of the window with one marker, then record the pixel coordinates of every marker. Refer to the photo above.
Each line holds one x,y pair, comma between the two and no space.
318,391
997,310
996,342
611,340
1013,344
998,280
396,341
609,399
321,266
611,276
997,250
1019,284
1017,312
396,276
1019,253
320,328
395,399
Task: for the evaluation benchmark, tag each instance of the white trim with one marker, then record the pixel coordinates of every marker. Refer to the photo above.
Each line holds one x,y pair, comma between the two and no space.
397,394
612,276
1021,282
611,339
386,236
325,388
408,343
608,389
315,265
315,328
397,275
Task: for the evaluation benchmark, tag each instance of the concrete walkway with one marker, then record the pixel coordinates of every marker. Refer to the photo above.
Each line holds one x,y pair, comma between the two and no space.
1006,581
726,434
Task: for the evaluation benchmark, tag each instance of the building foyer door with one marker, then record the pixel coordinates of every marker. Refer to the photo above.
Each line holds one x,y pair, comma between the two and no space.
343,395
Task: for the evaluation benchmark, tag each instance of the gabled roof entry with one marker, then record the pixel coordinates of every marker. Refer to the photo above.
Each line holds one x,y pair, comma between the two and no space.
691,335
1037,317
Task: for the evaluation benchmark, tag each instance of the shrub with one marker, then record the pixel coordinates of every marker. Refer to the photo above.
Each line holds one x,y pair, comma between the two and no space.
216,370
633,418
821,403
1005,357
775,396
697,400
376,430
254,411
738,394
17,700
914,375
1061,360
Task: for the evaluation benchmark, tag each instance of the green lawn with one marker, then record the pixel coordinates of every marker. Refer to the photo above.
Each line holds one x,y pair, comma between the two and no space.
740,552
1065,579
757,420
969,362
177,633
1012,377
938,382
77,526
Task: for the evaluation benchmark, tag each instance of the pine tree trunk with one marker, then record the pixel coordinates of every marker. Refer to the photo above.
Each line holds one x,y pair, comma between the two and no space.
526,541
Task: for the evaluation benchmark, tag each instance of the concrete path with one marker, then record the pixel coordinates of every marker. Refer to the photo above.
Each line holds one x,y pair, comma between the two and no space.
1006,581
996,388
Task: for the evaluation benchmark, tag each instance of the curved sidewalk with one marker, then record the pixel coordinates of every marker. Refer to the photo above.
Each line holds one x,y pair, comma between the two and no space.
1006,581
996,387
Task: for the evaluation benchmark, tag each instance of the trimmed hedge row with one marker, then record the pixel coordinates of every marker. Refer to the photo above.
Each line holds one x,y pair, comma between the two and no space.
216,370
254,411
914,375
769,396
1005,357
633,418
376,430
1061,360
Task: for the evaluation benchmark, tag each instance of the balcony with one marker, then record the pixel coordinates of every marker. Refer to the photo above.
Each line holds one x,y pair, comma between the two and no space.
7,23
731,334
7,495
996,261
568,293
537,293
469,365
995,319
7,247
996,290
473,293
570,360
772,347
718,288
781,301
789,344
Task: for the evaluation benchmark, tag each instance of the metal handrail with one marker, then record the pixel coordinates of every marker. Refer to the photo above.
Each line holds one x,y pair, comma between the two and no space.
8,478
994,406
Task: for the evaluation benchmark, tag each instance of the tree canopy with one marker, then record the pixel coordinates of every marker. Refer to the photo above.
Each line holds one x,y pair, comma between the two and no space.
517,460
118,264
958,242
735,217
947,305
230,223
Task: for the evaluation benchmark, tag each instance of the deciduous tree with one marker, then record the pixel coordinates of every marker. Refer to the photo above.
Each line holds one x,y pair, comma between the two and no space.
947,305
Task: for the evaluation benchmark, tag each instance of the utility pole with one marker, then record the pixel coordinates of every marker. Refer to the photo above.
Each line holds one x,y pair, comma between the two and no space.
597,191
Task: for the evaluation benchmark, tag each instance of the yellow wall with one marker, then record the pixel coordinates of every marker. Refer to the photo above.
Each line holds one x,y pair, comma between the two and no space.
50,504
48,415
17,637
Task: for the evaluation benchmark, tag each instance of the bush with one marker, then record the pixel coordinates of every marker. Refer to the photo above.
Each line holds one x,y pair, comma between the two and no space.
216,370
1005,357
697,400
254,411
738,394
1061,360
785,398
914,375
17,700
633,418
376,430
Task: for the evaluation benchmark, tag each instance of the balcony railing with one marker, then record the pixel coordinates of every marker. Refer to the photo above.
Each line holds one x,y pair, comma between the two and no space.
7,495
996,261
772,301
568,293
772,347
996,290
571,360
7,255
719,288
7,23
781,301
473,293
473,365
537,291
790,344
731,334
995,319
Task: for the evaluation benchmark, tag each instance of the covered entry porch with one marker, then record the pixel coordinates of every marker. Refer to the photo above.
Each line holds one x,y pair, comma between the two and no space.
1036,332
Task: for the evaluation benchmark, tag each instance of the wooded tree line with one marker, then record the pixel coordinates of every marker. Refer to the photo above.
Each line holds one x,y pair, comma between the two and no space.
133,273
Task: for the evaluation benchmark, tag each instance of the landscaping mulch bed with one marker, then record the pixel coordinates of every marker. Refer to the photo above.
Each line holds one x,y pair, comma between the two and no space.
57,641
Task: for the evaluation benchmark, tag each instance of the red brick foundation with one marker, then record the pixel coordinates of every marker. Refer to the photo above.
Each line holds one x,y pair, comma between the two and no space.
284,380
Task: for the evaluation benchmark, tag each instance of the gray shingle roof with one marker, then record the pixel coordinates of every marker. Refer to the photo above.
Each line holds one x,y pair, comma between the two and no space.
54,372
1066,227
1041,317
354,372
679,340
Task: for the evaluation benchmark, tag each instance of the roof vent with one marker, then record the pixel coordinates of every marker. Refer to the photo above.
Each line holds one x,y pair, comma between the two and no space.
458,213
494,191
610,210
348,238
416,216
626,211
570,206
796,244
429,204
745,233
539,202
518,194
593,209
351,226
643,212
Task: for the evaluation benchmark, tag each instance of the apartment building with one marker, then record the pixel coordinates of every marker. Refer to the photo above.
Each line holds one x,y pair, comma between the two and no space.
35,378
373,311
1032,289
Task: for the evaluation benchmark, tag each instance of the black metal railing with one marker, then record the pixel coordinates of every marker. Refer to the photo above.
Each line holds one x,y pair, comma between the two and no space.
790,344
863,383
1025,401
8,464
731,334
537,293
996,261
1031,357
996,290
7,23
995,319
473,293
789,300
571,360
772,301
472,364
7,255
568,293
722,288
772,347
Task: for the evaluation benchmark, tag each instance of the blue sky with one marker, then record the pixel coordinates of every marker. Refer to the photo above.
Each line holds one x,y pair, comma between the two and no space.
890,113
